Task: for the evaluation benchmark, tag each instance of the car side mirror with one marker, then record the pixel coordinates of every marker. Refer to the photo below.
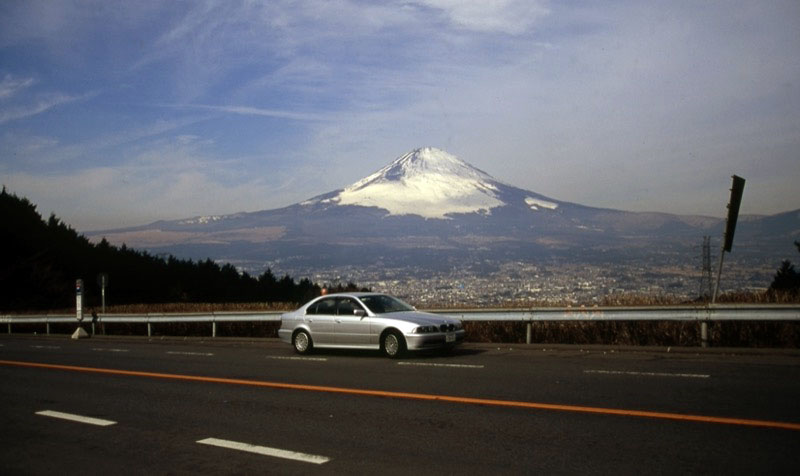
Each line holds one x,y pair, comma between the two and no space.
359,312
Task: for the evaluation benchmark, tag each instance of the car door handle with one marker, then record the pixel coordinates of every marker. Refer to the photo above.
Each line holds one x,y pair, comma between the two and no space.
339,321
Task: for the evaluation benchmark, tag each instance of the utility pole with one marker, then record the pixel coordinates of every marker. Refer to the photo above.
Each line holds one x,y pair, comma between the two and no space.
707,277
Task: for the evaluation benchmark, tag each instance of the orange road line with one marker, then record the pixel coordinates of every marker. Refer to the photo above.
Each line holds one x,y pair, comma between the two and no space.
419,396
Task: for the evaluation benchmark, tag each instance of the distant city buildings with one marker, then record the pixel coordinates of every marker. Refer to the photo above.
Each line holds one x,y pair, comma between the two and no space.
551,283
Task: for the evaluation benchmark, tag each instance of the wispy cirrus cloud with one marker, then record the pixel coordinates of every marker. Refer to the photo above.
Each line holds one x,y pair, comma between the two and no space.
256,111
87,151
499,16
38,103
171,177
37,106
10,85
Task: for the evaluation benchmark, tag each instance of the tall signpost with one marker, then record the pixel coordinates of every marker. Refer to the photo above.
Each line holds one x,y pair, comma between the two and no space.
737,188
79,300
102,281
79,332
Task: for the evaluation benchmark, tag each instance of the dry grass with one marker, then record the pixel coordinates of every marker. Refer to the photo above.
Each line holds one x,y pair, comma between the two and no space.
641,333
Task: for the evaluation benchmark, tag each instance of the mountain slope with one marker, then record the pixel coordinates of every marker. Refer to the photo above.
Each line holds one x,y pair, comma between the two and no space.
429,206
430,183
427,182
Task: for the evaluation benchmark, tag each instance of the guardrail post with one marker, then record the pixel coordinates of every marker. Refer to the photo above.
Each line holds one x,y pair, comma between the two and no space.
703,334
213,328
149,329
528,333
709,310
47,326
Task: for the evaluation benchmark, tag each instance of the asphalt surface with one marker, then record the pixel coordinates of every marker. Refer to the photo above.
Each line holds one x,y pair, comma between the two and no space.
480,409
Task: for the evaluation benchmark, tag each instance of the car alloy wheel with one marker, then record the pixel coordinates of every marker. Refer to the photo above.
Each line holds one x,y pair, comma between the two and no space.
302,342
392,344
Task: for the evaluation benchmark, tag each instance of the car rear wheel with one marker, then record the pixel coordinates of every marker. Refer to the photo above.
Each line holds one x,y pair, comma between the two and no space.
392,344
302,342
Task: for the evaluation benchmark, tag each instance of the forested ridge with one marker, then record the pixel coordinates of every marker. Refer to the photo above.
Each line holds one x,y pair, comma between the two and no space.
43,258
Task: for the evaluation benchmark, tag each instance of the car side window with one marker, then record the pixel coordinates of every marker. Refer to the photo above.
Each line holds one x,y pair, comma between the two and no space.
374,303
347,307
326,306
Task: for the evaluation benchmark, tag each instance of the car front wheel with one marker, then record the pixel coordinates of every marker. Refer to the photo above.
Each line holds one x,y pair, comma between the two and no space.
302,342
392,344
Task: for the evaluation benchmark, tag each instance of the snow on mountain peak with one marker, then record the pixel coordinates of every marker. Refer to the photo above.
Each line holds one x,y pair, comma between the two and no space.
428,182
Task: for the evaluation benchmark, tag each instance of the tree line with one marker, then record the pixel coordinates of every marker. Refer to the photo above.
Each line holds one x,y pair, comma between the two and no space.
787,279
41,260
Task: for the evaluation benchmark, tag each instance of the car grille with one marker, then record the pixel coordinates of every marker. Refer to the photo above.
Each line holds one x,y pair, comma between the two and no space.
447,327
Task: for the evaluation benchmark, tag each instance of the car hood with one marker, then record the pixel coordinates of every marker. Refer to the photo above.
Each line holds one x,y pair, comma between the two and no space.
419,318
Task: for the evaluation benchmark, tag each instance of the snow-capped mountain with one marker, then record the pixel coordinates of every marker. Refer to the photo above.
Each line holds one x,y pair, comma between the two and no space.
427,182
430,183
428,205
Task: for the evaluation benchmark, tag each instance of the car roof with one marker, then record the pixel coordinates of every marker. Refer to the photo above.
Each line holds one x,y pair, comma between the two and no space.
355,294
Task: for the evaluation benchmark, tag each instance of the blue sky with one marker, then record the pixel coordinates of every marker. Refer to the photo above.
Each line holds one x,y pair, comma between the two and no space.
115,114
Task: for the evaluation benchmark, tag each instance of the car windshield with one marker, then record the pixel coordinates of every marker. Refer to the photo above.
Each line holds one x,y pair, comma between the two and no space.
381,304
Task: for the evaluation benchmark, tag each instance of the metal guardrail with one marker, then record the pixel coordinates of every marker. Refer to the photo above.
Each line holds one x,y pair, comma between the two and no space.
149,319
145,318
756,312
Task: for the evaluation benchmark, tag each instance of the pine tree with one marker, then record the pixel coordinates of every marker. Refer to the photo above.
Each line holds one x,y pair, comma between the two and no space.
787,279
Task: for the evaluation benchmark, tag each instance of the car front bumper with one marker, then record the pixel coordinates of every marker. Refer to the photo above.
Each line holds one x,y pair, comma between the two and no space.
434,340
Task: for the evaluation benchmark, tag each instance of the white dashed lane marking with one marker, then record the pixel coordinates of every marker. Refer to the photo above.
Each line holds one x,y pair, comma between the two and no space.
77,418
645,374
452,366
99,349
265,451
204,354
314,359
45,347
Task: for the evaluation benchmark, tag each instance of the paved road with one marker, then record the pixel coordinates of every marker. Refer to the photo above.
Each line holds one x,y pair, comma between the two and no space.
178,406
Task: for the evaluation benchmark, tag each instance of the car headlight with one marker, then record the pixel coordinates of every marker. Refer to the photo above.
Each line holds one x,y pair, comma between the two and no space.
424,329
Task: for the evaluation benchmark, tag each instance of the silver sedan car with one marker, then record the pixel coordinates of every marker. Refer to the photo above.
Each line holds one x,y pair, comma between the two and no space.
367,321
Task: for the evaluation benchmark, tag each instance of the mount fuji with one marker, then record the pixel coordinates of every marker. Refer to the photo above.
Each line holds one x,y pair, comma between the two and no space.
430,183
430,209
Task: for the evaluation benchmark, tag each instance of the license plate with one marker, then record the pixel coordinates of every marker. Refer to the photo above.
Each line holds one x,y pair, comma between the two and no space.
451,337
